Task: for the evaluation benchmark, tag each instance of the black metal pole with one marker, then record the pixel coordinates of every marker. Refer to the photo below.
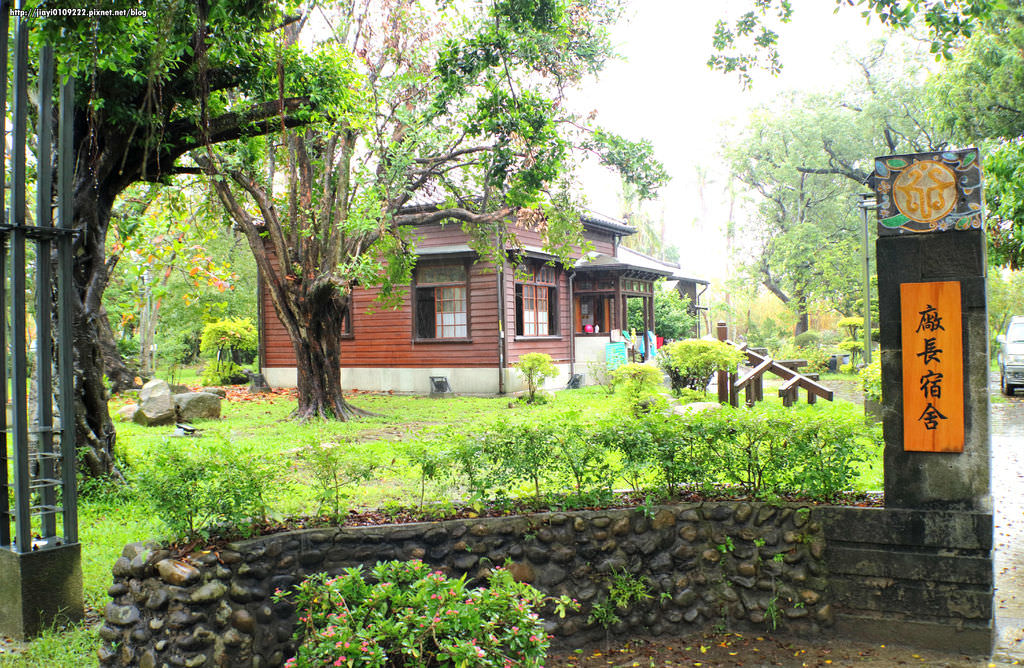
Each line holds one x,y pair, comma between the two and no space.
47,483
65,309
19,379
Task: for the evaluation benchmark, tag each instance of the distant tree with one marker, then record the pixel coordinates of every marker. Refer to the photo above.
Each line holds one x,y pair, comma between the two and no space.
804,162
650,228
750,42
672,317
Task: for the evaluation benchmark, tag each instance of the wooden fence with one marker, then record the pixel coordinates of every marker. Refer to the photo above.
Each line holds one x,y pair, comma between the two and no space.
752,382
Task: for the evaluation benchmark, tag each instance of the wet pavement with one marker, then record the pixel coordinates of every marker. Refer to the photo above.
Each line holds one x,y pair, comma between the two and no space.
1007,427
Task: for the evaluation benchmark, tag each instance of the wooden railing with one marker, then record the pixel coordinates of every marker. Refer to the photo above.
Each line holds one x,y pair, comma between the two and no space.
752,382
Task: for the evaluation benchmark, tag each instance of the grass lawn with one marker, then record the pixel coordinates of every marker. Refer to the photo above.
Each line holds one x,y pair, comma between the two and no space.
109,520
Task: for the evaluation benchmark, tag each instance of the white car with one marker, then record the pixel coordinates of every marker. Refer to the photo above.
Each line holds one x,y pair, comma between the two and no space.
1011,356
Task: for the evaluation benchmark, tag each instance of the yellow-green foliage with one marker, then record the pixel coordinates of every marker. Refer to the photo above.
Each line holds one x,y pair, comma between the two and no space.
535,368
690,363
228,334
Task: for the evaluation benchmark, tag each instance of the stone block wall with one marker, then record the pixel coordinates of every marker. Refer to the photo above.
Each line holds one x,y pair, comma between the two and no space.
916,577
930,572
734,563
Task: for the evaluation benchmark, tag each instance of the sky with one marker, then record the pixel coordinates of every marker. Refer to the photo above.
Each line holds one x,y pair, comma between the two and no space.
663,91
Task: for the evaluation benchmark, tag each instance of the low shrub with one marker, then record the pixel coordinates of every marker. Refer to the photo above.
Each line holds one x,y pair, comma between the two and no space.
808,339
508,456
769,451
535,368
827,443
600,375
691,362
206,485
640,383
336,469
871,381
414,617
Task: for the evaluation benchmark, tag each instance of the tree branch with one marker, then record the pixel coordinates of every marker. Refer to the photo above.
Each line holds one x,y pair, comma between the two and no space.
457,213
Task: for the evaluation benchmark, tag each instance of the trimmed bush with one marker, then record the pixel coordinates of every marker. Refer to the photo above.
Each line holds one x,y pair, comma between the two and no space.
871,381
535,368
640,383
224,341
690,363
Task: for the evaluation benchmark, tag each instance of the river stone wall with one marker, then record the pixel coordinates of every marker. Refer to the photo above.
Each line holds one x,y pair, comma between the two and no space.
737,564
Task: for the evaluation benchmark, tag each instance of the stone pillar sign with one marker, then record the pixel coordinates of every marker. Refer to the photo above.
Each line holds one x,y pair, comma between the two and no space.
934,330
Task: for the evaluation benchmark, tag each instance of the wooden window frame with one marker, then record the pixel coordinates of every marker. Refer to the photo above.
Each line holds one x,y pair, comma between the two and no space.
419,290
541,278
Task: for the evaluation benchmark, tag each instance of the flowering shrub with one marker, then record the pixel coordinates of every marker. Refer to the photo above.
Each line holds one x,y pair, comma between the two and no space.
415,617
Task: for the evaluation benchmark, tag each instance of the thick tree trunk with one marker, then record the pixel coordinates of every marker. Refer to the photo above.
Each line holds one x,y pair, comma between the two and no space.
802,319
95,437
318,357
120,376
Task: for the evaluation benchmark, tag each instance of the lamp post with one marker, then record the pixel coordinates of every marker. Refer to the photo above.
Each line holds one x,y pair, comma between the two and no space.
865,202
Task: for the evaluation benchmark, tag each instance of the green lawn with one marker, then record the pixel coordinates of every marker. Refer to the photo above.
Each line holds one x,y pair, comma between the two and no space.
109,520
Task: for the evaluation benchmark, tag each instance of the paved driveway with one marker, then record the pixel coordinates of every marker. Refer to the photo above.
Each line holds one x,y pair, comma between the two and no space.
1008,496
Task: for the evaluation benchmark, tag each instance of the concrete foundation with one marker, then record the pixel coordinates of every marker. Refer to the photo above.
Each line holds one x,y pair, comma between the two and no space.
463,380
38,589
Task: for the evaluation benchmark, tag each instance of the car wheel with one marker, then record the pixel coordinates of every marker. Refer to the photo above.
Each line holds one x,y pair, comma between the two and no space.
1007,389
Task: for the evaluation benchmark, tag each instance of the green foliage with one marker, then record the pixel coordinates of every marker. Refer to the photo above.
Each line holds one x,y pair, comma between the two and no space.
805,156
766,451
1005,299
412,616
624,590
430,459
599,374
1004,198
852,325
535,368
871,381
640,384
336,469
206,486
672,319
816,357
228,335
506,456
690,363
223,340
751,42
808,339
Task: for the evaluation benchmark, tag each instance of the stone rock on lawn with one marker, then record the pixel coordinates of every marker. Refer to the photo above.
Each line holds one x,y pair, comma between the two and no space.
127,413
197,406
155,386
219,391
155,404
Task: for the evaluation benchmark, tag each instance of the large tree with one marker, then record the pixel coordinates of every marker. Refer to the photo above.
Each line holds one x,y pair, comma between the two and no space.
149,88
805,160
432,116
979,99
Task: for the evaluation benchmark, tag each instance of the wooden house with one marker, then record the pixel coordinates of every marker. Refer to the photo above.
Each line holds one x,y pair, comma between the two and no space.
469,321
